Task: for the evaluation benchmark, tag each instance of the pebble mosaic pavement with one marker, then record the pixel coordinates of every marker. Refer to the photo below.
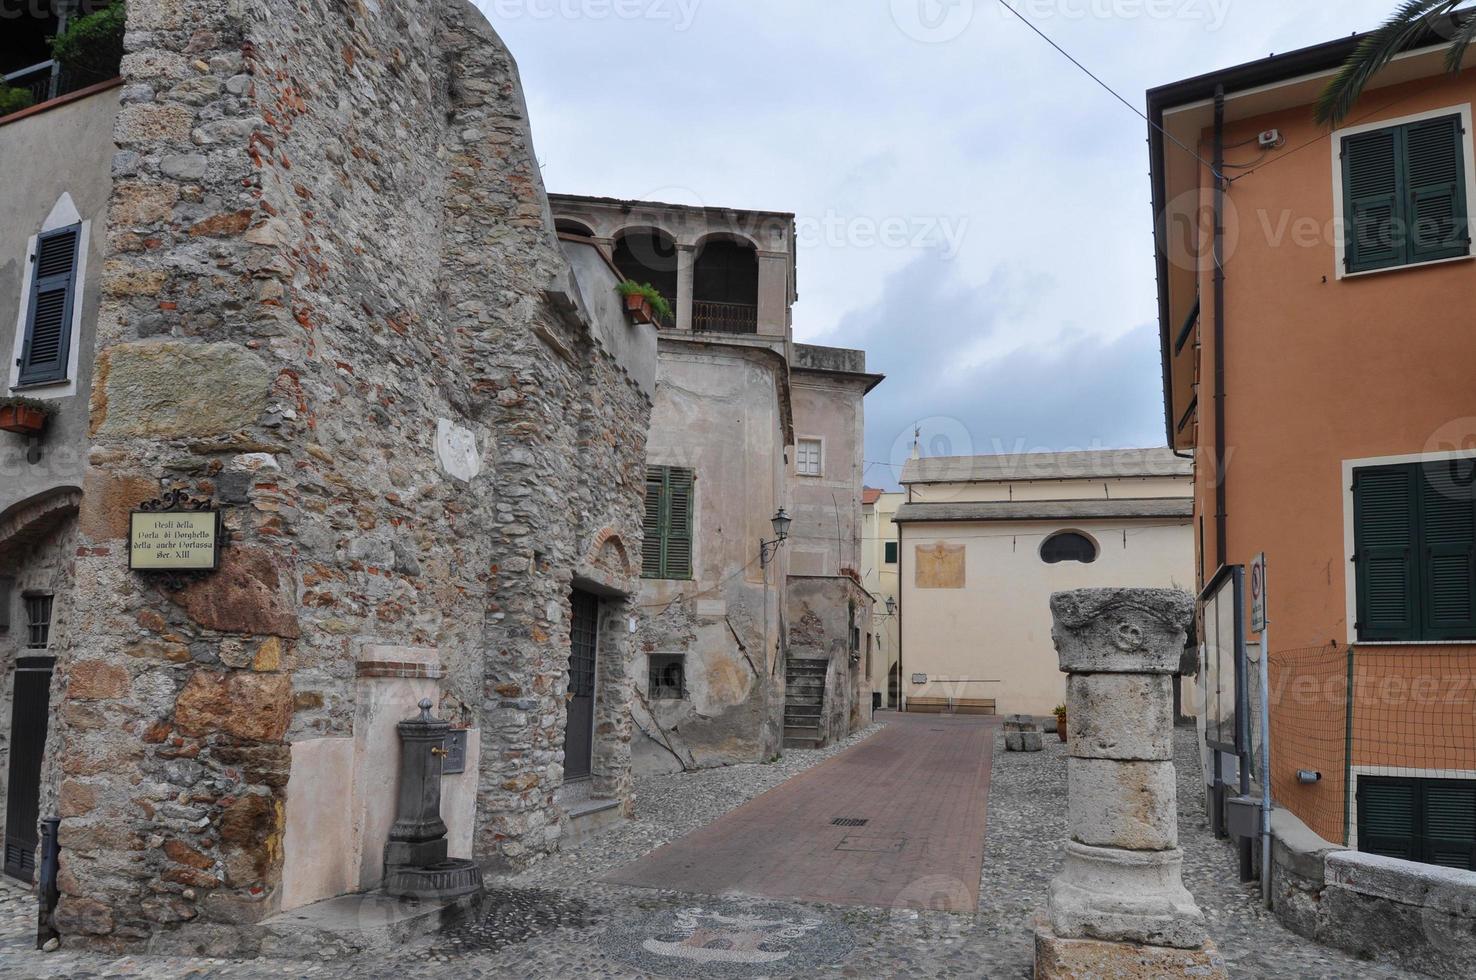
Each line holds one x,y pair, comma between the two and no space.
553,922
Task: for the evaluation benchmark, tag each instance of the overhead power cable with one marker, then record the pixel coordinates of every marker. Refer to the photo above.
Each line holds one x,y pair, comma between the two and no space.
1110,90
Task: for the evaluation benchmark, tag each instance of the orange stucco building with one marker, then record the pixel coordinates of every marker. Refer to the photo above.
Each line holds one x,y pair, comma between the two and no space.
1321,375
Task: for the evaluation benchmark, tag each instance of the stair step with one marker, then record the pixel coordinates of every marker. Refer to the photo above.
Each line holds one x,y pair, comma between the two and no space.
803,711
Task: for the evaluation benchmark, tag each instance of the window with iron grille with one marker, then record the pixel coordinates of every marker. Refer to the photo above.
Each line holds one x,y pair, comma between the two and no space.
38,621
667,680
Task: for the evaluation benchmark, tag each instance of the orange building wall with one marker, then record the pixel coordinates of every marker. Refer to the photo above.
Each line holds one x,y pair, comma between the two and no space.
1319,370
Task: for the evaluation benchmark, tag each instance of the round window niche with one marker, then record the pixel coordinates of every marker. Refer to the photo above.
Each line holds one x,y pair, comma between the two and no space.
1068,546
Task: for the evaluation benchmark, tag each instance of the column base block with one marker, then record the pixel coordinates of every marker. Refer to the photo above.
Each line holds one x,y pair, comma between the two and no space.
1098,959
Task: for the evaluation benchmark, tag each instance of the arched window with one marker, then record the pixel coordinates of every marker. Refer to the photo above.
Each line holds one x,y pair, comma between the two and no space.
1068,546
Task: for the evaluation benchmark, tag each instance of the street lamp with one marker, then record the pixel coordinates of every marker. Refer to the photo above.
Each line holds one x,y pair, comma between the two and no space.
780,522
891,606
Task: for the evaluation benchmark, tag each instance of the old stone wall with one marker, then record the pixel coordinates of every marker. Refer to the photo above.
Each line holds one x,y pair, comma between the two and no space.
333,304
823,611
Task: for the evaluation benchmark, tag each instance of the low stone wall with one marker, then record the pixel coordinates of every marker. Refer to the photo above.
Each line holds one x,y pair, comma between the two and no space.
1418,917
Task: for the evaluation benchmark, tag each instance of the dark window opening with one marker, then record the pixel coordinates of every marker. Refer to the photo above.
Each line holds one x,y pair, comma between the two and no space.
38,622
725,290
1432,821
667,680
1414,539
649,257
1068,546
891,552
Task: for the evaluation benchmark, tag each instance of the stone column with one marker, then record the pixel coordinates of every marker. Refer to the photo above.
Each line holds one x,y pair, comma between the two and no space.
686,283
773,294
1119,907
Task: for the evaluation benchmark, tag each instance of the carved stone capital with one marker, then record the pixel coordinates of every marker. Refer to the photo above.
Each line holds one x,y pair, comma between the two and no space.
1121,631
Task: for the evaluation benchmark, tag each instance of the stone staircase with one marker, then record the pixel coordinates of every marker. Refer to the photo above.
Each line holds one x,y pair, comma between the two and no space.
804,702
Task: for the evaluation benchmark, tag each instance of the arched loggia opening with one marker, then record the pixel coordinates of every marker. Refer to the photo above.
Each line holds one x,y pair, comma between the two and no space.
725,288
649,255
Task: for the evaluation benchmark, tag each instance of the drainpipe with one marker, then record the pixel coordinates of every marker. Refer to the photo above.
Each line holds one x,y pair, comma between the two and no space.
901,674
1218,256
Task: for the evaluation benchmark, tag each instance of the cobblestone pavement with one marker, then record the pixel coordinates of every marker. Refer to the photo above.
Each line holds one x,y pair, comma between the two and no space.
552,922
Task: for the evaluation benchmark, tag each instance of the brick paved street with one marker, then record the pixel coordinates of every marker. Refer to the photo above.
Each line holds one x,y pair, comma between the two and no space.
557,921
897,821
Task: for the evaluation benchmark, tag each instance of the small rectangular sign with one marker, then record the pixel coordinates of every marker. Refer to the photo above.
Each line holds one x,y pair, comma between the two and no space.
1258,593
174,540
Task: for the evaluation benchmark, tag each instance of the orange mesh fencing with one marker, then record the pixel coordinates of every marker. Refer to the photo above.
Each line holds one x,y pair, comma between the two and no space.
1388,710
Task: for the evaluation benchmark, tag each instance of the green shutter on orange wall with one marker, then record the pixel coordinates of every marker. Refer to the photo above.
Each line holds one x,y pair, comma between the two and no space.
1448,550
1385,536
1404,195
1373,209
1436,200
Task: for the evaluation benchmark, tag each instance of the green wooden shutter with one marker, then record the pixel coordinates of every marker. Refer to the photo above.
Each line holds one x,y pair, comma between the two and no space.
653,541
1388,817
1449,824
1448,551
1384,539
666,550
1372,208
48,336
677,562
1435,171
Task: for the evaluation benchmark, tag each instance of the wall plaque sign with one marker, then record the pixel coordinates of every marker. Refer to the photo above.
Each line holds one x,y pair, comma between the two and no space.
176,534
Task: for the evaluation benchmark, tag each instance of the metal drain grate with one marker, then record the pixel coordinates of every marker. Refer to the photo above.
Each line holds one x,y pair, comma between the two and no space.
848,822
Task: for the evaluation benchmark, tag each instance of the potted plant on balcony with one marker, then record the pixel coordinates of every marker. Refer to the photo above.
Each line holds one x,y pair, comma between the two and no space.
25,416
644,301
13,99
90,49
1061,722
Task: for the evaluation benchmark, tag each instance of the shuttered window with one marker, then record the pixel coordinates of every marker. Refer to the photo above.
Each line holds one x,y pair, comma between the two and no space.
48,336
1428,820
808,457
666,551
1404,195
1414,529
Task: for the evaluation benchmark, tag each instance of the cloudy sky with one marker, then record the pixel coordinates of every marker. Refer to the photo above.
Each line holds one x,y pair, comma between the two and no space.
972,210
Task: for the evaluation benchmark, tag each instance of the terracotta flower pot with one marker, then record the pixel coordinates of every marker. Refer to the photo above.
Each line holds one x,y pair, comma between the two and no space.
24,419
1061,727
639,306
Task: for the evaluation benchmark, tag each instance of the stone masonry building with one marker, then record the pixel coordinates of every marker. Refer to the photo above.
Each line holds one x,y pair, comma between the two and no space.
310,277
739,655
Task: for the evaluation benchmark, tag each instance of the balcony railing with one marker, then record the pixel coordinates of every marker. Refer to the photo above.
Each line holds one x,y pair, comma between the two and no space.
46,81
710,317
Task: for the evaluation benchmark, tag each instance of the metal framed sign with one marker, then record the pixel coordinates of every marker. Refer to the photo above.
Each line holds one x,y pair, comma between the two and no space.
175,534
1258,593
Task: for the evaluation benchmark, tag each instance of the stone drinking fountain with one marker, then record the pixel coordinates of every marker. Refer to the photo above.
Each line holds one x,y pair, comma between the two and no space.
416,864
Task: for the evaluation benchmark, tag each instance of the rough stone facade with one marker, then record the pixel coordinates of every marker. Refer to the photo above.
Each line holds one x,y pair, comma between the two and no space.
334,304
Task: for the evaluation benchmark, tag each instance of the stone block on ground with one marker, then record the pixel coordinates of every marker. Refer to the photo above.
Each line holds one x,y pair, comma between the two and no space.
1096,959
1023,742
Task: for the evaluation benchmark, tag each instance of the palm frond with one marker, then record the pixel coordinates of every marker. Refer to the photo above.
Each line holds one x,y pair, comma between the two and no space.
1374,52
1460,41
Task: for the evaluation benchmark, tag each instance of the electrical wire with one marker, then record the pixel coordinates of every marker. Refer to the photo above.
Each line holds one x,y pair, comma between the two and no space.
1109,89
